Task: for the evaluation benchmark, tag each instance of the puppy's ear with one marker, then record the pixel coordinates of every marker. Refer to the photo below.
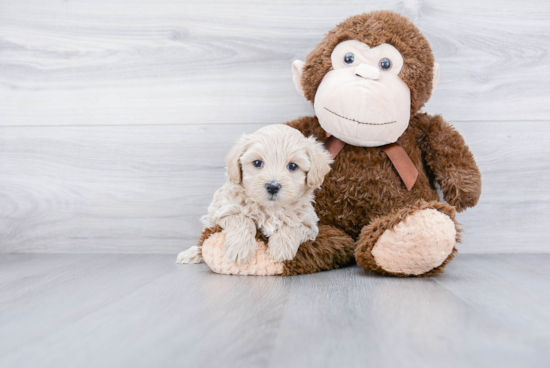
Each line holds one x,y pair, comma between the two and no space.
320,163
232,161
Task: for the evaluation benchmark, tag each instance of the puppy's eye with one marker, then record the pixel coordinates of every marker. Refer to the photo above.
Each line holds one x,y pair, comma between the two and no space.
349,58
258,163
292,166
385,64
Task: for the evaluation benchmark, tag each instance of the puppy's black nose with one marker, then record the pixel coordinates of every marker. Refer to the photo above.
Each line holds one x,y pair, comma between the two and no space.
272,188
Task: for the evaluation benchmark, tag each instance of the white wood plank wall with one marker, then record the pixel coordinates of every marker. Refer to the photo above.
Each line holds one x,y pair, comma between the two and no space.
115,116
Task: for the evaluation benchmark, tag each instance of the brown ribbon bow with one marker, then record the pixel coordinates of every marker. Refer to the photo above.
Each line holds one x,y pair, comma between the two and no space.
397,155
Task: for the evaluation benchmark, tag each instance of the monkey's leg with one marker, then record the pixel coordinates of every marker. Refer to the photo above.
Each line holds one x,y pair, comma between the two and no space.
332,249
418,240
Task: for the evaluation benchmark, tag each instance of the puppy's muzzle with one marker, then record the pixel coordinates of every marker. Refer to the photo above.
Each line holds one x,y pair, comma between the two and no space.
272,188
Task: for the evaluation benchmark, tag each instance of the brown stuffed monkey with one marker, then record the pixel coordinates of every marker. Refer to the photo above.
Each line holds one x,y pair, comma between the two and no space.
368,79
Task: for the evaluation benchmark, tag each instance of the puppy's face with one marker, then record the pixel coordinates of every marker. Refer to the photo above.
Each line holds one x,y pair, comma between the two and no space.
274,174
277,165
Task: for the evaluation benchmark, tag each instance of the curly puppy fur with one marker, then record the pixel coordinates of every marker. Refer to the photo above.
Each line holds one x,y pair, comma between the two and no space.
244,204
363,185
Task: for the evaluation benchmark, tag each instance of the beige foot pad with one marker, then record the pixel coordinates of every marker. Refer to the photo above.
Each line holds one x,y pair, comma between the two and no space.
261,264
417,244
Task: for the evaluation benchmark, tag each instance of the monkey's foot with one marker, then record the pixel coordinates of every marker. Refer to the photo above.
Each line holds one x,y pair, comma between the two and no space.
332,249
261,264
412,242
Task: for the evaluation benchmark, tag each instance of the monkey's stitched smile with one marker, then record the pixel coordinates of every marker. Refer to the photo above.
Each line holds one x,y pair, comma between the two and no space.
360,122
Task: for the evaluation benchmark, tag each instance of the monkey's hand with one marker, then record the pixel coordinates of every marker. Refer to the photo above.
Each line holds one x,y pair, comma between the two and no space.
240,238
450,160
461,186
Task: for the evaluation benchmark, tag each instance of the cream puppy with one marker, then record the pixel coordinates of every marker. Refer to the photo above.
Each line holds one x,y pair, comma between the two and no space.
271,174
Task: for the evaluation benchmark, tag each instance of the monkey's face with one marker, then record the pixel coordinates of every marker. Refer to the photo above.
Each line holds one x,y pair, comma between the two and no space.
362,100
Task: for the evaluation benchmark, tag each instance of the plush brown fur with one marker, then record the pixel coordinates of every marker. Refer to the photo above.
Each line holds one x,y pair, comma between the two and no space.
450,161
363,195
332,249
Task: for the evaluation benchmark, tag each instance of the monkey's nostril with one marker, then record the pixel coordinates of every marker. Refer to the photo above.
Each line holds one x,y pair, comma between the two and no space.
272,188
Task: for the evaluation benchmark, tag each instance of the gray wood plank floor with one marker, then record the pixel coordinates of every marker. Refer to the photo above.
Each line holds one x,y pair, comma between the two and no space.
145,311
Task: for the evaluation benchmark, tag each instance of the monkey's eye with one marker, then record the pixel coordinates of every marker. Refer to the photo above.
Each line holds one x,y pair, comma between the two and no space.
292,166
349,58
258,163
385,64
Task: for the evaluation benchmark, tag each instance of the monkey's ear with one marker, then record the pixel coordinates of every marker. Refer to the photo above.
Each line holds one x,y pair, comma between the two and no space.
435,80
233,160
297,69
320,161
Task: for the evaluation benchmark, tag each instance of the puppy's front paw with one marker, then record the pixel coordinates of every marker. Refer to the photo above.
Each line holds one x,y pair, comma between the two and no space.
239,247
191,255
281,247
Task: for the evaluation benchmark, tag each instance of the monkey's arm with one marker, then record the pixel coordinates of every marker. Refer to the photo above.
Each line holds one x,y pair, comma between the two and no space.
450,160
